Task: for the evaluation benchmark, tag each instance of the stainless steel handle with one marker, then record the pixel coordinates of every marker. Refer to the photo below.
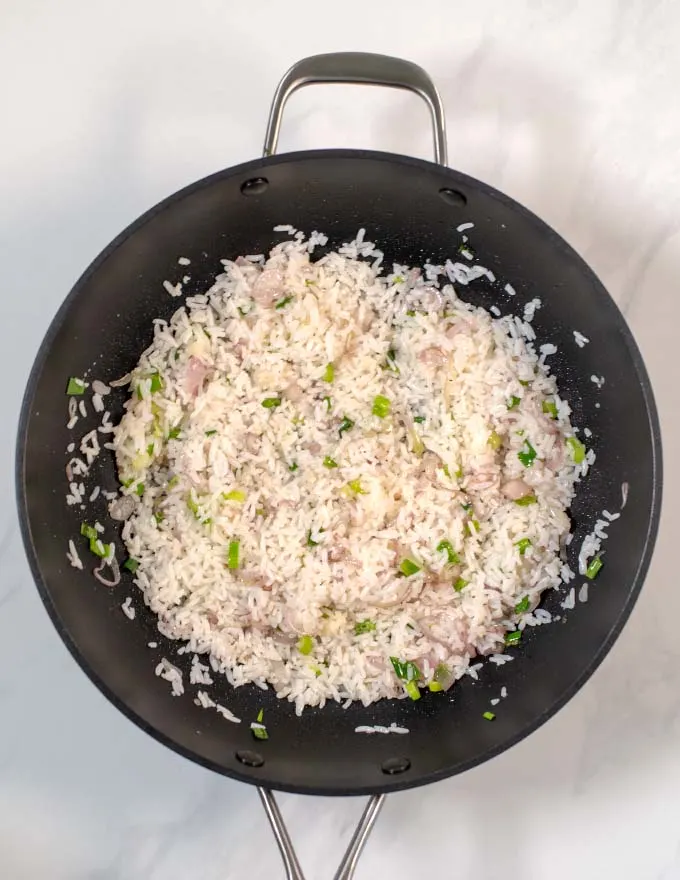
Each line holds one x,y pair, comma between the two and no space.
365,68
356,844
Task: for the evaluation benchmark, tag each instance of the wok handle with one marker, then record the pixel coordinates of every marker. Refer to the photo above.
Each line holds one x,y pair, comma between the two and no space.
359,67
356,845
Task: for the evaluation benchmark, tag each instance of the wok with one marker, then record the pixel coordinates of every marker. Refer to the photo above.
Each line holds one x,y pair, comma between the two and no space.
411,209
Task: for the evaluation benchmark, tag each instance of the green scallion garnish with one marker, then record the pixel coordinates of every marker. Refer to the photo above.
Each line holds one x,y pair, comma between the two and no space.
549,407
419,419
523,545
442,674
408,567
211,432
472,526
156,382
355,487
578,450
293,467
173,433
381,406
434,687
305,645
235,495
139,489
75,386
527,454
233,554
150,449
159,517
391,362
489,716
310,541
329,373
514,402
594,566
495,440
405,670
460,584
88,532
447,547
99,548
512,638
328,403
345,425
131,564
364,626
329,462
526,500
283,302
271,402
522,606
412,690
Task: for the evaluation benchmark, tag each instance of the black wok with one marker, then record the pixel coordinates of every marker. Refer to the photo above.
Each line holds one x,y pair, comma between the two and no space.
411,209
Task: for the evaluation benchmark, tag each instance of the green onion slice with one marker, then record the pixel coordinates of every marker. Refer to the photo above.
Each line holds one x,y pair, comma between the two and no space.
131,564
460,584
527,454
578,450
489,716
593,567
233,554
328,403
271,402
419,419
305,645
408,567
381,406
345,425
526,500
355,487
522,606
329,373
523,545
157,383
447,547
173,433
283,302
412,690
329,462
75,386
512,638
364,626
435,687
549,407
495,440
514,402
235,495
293,467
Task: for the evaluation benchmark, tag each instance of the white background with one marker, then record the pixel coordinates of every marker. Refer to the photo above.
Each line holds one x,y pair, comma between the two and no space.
570,107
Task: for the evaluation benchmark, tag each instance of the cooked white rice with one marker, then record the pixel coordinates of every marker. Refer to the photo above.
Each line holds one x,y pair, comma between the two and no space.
237,430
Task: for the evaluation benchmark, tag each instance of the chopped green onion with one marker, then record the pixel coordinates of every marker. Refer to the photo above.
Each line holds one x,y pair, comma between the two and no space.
88,532
293,467
523,606
211,432
526,500
523,545
364,626
434,687
259,732
472,526
305,645
594,566
173,481
406,671
411,313
100,549
512,638
442,674
329,373
75,386
329,462
139,489
128,483
466,507
459,474
150,449
495,440
308,282
233,554
156,382
315,670
447,472
310,541
391,362
328,403
173,433
489,716
419,419
260,716
235,495
408,567
412,690
381,406
355,486
271,402
578,450
345,425
398,279
514,402
243,311
418,445
520,433
524,382
527,455
460,584
131,564
159,517
549,407
447,547
283,302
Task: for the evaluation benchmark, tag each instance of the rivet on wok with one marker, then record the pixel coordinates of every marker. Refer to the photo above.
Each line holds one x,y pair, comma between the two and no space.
250,759
255,186
453,197
392,766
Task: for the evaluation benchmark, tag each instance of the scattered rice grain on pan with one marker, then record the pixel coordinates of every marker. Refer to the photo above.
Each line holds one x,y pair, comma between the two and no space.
166,670
318,424
127,608
580,339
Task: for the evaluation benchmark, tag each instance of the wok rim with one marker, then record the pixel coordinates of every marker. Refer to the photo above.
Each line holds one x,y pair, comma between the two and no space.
260,776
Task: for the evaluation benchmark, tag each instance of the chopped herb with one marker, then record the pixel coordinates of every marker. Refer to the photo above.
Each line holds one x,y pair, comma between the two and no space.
406,671
271,402
310,541
139,489
128,483
523,606
260,511
150,449
447,472
131,564
233,554
235,495
512,638
329,462
75,386
594,566
259,731
466,507
460,585
408,567
526,500
211,432
520,433
308,282
243,311
411,313
419,419
329,373
345,425
434,687
381,406
398,279
100,549
305,645
549,407
524,382
418,445
315,670
447,547
173,433
355,486
283,302
156,383
391,362
293,467
489,716
523,545
527,455
459,474
328,403
412,690
89,532
472,526
173,481
365,626
442,674
260,716
578,450
495,440
514,402
159,517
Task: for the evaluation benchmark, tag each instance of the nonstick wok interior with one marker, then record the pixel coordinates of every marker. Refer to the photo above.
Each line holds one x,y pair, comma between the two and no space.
411,210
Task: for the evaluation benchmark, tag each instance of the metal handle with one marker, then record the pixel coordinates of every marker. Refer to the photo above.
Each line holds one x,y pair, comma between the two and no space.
365,68
356,844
